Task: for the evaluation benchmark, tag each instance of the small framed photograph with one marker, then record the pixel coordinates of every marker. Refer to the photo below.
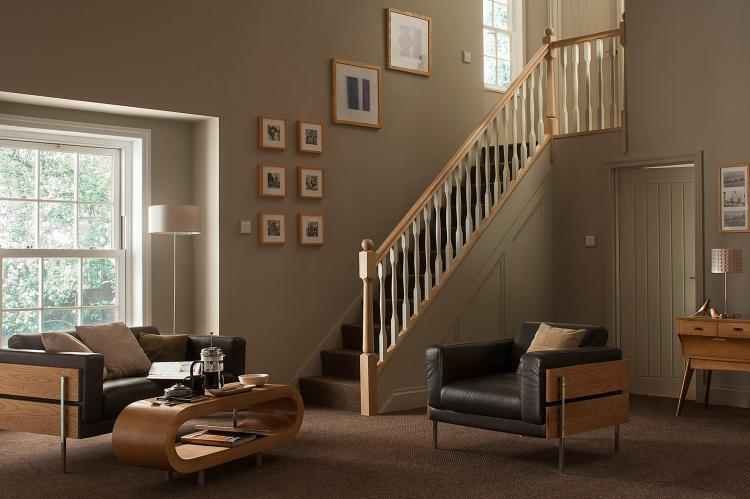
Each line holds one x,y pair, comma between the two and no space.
271,133
733,197
309,182
271,180
272,228
310,229
355,94
409,42
310,137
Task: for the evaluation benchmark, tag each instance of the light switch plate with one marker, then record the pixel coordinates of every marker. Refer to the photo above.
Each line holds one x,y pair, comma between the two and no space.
466,57
590,241
246,227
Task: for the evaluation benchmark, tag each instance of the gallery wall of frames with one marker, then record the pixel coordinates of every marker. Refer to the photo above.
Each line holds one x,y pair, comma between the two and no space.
355,100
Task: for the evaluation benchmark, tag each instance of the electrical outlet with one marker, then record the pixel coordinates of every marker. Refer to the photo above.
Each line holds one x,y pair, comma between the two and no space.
466,57
246,227
590,241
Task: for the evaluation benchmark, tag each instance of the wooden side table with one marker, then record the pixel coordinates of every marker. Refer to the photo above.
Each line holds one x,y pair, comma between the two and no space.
145,434
712,344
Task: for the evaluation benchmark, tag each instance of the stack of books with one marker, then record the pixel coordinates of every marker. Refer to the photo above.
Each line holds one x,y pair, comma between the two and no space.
222,436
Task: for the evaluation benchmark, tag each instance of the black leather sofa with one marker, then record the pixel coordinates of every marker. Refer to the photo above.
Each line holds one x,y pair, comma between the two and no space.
497,385
98,402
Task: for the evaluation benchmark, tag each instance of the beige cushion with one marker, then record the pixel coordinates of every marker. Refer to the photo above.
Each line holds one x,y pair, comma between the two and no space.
63,342
123,356
160,348
555,338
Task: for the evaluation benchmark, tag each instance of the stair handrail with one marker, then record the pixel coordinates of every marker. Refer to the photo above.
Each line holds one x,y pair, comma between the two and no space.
489,157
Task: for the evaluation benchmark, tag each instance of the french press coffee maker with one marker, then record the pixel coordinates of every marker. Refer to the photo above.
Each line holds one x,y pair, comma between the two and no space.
212,360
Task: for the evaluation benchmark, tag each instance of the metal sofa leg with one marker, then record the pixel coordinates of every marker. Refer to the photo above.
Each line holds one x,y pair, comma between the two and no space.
434,434
561,429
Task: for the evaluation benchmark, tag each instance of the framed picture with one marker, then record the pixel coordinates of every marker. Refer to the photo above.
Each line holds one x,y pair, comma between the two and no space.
309,182
271,180
733,197
409,42
272,228
310,229
355,94
310,137
271,133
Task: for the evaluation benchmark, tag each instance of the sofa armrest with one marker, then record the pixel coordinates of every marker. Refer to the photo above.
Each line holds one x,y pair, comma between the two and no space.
232,346
91,366
533,372
449,363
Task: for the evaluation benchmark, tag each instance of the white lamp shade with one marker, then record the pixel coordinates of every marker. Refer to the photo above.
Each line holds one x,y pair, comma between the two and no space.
726,261
174,219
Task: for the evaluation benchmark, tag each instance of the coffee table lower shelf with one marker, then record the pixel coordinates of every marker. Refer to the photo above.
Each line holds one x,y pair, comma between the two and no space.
145,435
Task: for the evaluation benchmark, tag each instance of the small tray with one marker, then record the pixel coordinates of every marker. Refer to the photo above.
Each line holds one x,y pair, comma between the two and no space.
222,392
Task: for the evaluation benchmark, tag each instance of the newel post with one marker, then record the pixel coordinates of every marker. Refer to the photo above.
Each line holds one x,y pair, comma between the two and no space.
368,360
551,124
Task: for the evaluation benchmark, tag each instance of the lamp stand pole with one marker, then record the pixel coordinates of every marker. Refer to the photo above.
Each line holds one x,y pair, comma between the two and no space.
174,284
725,295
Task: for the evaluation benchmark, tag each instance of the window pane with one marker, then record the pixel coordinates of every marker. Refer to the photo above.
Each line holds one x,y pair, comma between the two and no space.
19,323
17,173
56,175
57,229
503,74
489,43
61,282
20,283
17,224
487,12
500,15
503,46
59,320
99,281
94,316
95,178
94,226
490,71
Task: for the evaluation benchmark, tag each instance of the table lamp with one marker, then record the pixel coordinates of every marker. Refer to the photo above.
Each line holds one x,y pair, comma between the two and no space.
726,261
177,220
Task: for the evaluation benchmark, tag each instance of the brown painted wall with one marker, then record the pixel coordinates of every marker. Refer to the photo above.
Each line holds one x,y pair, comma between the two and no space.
236,60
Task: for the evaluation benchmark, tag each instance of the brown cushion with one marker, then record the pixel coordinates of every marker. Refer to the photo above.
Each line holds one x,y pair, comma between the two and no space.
63,342
123,356
160,348
555,338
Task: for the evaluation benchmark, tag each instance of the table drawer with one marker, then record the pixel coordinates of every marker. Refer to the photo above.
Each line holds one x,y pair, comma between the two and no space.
734,329
697,327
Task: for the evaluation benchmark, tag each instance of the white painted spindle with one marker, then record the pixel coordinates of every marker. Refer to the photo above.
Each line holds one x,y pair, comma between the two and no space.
524,146
417,299
514,162
564,88
459,232
427,215
405,314
393,252
448,188
487,178
600,81
540,92
478,182
438,240
614,89
383,339
587,75
506,151
496,158
576,87
532,122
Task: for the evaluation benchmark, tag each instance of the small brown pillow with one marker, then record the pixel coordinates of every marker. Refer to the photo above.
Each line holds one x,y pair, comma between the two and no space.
555,338
160,348
63,342
123,356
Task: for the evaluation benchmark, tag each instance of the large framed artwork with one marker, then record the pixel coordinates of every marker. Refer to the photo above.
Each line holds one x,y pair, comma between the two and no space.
271,133
272,228
733,197
409,42
355,94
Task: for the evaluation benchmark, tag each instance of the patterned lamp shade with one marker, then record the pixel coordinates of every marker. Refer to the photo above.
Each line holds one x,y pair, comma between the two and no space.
726,261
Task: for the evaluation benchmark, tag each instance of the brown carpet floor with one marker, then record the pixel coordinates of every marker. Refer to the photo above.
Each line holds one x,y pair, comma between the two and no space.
340,454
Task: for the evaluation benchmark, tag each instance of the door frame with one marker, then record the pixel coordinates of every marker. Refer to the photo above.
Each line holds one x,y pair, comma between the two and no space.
611,235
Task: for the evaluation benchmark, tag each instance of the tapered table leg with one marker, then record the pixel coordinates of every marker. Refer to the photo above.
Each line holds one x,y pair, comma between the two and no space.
706,387
685,385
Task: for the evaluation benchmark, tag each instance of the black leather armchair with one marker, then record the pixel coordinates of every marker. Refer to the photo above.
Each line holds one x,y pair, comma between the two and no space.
93,404
496,385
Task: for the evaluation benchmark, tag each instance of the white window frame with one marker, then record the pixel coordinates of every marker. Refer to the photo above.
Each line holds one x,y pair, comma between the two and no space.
516,42
135,151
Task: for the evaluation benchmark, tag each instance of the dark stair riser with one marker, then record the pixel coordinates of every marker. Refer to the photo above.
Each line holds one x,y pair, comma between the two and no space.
341,363
338,393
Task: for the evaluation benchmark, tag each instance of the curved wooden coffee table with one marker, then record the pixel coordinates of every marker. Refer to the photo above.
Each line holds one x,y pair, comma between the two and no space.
145,435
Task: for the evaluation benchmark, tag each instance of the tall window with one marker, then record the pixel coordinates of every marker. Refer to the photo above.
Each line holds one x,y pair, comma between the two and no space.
60,243
502,20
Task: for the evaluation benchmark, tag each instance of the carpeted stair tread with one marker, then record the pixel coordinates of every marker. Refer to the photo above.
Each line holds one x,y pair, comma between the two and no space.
330,391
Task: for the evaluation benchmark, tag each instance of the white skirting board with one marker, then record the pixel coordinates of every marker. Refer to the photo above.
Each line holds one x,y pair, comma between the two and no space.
403,399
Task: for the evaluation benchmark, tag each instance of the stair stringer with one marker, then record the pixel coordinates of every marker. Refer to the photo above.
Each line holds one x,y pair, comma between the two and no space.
505,278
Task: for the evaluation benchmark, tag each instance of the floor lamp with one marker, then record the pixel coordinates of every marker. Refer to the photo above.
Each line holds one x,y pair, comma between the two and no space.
177,220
